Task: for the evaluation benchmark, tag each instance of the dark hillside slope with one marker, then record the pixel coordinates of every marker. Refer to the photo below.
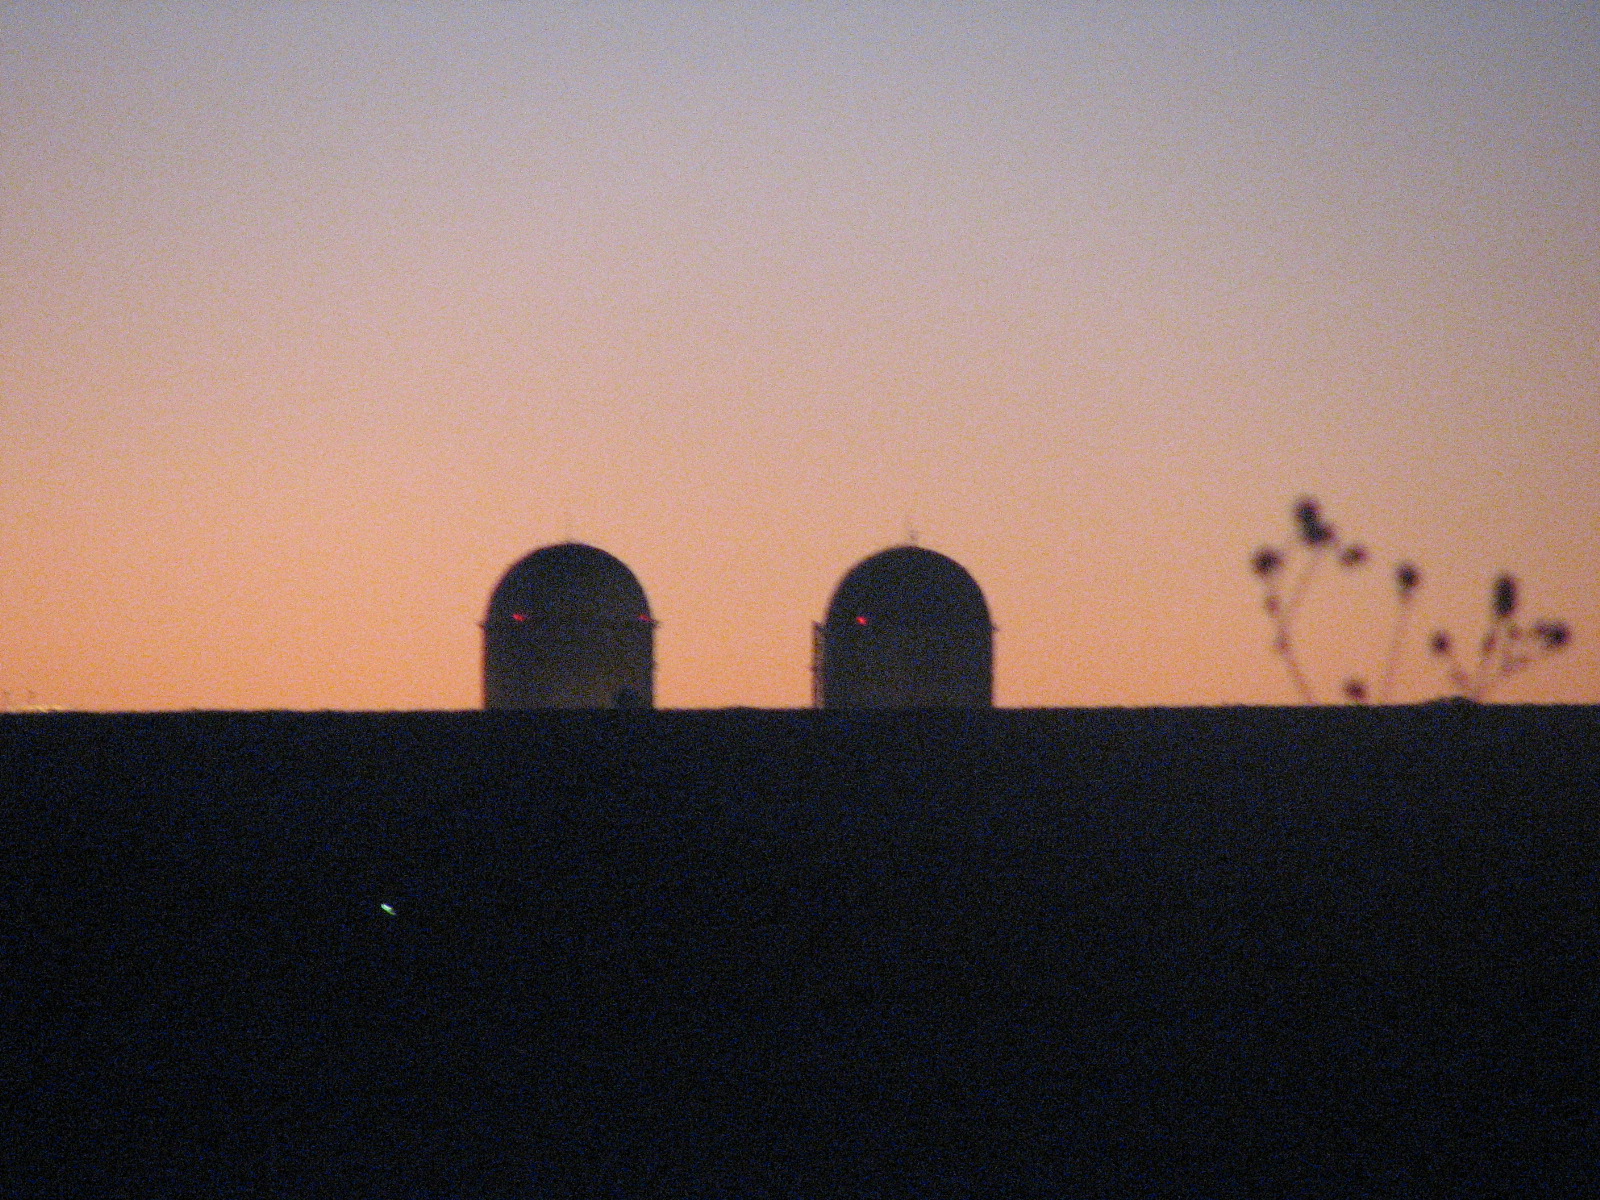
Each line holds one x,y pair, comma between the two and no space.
1274,952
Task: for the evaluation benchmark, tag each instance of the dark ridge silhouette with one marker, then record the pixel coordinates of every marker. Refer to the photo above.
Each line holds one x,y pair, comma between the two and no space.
1219,952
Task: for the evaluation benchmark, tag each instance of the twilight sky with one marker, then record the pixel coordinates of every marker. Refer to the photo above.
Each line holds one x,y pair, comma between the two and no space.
314,317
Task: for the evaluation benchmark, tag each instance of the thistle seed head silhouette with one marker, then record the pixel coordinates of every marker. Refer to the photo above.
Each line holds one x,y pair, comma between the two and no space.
1313,532
1505,596
1554,634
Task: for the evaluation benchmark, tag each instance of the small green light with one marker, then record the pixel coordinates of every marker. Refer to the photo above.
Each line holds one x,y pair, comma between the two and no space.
387,909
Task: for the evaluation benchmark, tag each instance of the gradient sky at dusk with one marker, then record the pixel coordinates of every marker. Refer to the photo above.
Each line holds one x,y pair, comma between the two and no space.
315,317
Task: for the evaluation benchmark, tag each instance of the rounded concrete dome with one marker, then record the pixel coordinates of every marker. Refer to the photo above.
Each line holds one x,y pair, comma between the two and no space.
909,585
906,628
568,627
568,583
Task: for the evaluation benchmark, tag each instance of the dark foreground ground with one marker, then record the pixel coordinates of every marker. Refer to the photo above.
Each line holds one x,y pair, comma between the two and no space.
1253,952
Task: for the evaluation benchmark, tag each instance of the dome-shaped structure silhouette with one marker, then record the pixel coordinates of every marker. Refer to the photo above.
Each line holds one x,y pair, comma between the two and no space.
568,627
907,628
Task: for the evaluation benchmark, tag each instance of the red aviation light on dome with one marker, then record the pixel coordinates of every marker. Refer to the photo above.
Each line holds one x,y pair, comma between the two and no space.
861,620
644,616
519,616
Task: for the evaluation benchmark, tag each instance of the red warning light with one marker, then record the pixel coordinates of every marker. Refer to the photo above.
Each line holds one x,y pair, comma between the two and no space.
861,620
644,616
519,616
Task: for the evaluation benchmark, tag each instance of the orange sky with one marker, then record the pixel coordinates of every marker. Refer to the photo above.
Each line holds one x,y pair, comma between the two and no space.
315,318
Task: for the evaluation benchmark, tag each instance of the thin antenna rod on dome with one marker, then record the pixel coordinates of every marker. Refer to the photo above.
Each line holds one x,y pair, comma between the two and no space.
911,531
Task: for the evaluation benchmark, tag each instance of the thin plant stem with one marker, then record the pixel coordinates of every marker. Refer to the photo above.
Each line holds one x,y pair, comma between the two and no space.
1482,679
1295,674
1393,659
1284,645
1300,586
1286,617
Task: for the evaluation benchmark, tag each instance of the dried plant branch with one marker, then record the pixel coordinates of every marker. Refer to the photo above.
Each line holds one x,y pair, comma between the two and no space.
1506,646
1406,581
1318,539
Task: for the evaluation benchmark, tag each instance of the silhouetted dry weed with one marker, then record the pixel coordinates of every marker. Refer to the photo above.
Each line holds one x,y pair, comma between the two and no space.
1505,648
